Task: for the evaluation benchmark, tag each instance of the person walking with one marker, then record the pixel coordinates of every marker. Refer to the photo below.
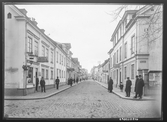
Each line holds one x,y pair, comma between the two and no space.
57,82
37,82
121,86
42,83
128,87
140,86
110,85
136,83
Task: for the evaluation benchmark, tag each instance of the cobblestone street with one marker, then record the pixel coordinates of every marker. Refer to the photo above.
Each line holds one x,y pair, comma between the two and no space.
85,100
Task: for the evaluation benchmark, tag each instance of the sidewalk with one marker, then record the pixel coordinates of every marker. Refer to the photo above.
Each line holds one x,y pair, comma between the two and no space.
41,95
118,92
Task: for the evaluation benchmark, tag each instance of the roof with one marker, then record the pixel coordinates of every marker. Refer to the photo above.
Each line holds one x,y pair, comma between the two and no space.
122,20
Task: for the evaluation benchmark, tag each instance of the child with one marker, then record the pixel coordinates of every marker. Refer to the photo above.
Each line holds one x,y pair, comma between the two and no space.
121,86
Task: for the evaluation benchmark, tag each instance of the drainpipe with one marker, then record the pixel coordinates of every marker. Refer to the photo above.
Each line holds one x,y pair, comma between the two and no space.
25,71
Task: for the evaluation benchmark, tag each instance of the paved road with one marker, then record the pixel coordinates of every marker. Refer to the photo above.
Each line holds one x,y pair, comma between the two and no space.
85,100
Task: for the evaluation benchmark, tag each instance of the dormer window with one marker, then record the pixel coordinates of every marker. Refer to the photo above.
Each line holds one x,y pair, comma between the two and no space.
9,15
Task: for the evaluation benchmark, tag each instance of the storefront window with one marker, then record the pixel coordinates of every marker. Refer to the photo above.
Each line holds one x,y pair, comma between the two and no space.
30,75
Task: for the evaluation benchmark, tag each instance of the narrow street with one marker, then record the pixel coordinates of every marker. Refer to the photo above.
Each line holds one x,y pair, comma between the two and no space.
85,100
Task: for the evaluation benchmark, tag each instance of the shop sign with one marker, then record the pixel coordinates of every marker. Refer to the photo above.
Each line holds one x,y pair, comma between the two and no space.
42,59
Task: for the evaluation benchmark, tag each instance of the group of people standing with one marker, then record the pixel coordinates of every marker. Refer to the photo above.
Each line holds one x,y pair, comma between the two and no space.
139,84
42,84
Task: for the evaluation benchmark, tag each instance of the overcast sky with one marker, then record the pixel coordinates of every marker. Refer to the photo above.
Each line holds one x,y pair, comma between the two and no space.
87,27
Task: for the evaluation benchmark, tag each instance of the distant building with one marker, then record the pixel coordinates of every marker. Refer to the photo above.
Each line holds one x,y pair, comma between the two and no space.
105,71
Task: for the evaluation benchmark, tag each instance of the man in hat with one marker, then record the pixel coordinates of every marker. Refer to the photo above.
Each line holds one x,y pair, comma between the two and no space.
128,87
136,83
140,86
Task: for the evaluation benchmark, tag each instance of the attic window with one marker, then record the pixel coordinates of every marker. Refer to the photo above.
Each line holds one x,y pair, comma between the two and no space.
9,16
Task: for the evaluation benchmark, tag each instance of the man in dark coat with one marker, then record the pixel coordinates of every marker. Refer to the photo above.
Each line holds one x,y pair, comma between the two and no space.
37,82
77,80
136,83
110,85
42,83
128,87
57,82
70,81
140,86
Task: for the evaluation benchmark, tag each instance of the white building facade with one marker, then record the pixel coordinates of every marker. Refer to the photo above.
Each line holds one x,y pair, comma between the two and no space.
130,53
29,53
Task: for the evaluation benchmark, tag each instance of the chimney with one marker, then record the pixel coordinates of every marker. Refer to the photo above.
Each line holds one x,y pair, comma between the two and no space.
23,11
34,22
43,30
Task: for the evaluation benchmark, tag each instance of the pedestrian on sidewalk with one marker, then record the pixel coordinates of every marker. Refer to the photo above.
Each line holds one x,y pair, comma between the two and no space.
70,81
37,82
110,85
77,80
128,87
121,86
57,82
140,86
42,83
135,90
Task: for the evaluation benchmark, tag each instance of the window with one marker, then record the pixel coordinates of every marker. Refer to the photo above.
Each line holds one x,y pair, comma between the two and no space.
117,56
36,48
132,44
29,44
64,61
121,30
118,34
125,73
111,62
60,58
43,51
126,50
120,51
57,72
9,16
132,71
51,74
57,57
116,38
60,73
51,57
43,73
47,53
46,74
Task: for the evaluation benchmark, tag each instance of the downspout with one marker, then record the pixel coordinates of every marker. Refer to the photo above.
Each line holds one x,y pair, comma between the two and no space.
25,71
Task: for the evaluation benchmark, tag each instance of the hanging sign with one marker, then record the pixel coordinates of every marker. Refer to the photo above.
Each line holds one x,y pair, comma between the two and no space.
42,59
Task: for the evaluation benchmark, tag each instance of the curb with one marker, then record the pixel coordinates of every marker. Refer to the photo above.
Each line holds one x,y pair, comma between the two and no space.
127,97
43,97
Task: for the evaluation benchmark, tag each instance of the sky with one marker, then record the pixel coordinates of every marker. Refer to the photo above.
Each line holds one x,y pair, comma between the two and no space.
88,27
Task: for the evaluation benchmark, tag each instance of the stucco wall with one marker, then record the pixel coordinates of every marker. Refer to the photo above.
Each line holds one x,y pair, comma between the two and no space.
14,49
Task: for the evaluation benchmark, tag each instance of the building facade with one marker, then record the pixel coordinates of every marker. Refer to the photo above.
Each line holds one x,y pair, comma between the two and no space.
130,55
29,53
105,71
